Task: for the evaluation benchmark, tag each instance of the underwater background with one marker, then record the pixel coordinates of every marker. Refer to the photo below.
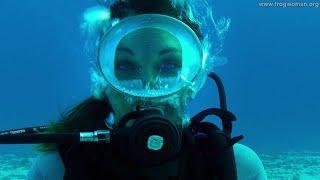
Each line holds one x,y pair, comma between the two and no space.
272,78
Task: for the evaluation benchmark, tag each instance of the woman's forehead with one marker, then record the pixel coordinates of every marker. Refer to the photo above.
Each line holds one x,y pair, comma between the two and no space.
149,38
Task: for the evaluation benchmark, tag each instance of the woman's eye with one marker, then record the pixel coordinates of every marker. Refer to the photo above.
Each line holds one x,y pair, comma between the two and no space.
126,66
169,67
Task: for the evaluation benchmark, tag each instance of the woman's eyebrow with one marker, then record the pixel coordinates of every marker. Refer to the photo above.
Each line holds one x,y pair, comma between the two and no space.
125,49
169,50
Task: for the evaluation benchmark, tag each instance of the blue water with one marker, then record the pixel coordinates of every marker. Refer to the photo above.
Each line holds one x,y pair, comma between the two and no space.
271,78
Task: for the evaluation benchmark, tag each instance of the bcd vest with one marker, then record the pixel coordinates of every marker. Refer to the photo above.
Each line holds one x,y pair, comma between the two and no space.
196,161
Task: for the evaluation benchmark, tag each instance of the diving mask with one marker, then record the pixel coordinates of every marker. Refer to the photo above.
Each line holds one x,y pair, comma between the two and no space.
150,55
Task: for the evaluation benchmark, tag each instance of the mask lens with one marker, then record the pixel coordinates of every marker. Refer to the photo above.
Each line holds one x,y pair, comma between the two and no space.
155,57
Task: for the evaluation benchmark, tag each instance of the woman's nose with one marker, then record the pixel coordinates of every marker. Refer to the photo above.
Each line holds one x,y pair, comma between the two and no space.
149,79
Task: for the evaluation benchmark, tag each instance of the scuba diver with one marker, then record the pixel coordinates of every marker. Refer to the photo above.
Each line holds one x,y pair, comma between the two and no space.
150,64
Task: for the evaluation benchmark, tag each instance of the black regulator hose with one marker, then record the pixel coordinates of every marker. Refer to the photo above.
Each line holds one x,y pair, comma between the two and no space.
33,136
39,138
29,130
221,91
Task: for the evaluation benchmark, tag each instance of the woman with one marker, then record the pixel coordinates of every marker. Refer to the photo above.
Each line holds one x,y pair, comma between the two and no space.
151,62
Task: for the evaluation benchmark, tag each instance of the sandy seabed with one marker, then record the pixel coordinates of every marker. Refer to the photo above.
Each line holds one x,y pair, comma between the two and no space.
281,166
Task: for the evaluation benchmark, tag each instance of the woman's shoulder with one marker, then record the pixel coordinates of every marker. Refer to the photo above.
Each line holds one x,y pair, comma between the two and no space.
249,165
48,165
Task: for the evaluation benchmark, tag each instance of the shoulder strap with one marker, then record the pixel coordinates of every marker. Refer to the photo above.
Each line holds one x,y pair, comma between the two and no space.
211,152
62,150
